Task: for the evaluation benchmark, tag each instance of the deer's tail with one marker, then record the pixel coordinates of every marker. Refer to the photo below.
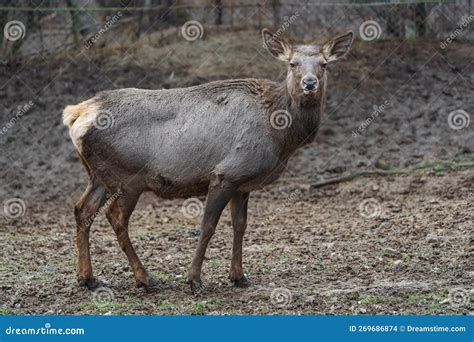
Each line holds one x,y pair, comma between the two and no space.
72,112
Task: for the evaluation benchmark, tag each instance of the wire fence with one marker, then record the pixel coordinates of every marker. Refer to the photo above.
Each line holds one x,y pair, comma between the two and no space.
47,26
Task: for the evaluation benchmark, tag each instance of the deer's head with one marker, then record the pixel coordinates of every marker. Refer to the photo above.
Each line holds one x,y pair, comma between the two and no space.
307,63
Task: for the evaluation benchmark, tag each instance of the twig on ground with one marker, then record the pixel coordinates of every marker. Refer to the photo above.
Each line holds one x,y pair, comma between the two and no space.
436,166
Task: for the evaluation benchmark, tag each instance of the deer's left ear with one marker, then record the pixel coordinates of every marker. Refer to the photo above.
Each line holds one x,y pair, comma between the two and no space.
338,47
277,47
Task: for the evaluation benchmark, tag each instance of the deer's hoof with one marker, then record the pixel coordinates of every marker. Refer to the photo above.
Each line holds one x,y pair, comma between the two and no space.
150,286
197,286
242,282
90,283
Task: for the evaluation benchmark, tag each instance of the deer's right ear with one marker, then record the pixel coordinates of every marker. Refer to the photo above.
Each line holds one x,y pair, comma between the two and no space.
278,48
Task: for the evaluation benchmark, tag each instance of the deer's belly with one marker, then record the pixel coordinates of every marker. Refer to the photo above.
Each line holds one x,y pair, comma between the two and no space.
263,179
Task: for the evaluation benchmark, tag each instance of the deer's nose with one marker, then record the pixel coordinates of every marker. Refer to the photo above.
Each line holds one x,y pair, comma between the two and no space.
310,83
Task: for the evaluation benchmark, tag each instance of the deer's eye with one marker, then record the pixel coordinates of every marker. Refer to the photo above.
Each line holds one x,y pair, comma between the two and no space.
324,65
293,64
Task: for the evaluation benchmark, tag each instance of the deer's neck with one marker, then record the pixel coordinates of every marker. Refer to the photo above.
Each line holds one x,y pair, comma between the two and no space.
306,114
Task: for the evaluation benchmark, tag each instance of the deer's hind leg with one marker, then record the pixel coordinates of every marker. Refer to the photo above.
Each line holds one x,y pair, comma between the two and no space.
85,212
118,214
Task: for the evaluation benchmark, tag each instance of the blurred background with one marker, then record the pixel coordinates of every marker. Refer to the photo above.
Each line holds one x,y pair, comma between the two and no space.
392,234
56,25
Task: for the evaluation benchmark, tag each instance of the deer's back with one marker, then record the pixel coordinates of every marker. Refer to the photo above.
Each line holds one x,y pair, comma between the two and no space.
179,137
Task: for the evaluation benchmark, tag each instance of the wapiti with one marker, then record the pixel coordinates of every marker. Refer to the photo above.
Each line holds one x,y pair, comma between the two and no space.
224,139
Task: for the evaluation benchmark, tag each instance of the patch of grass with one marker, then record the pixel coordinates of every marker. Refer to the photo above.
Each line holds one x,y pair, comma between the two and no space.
140,235
367,300
426,298
216,262
7,312
182,280
406,258
162,276
434,307
165,305
373,299
98,308
108,305
200,307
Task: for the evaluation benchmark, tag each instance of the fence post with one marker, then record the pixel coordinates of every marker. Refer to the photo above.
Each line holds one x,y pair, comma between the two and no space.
218,9
259,16
74,22
420,17
232,8
276,14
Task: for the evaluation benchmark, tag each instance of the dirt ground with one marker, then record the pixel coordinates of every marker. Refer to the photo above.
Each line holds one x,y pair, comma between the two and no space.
399,244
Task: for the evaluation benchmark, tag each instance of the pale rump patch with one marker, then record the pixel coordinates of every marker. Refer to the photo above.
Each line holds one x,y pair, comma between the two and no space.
80,118
72,112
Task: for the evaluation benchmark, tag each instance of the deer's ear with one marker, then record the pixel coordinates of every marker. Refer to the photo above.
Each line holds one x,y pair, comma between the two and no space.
277,47
338,47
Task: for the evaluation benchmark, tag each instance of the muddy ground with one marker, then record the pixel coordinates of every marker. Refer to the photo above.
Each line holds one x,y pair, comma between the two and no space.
399,244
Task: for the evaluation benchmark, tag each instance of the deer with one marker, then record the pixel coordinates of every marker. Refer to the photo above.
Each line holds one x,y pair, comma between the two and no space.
222,139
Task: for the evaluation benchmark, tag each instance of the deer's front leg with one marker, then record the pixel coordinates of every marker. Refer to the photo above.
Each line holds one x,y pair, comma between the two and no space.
238,207
219,194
